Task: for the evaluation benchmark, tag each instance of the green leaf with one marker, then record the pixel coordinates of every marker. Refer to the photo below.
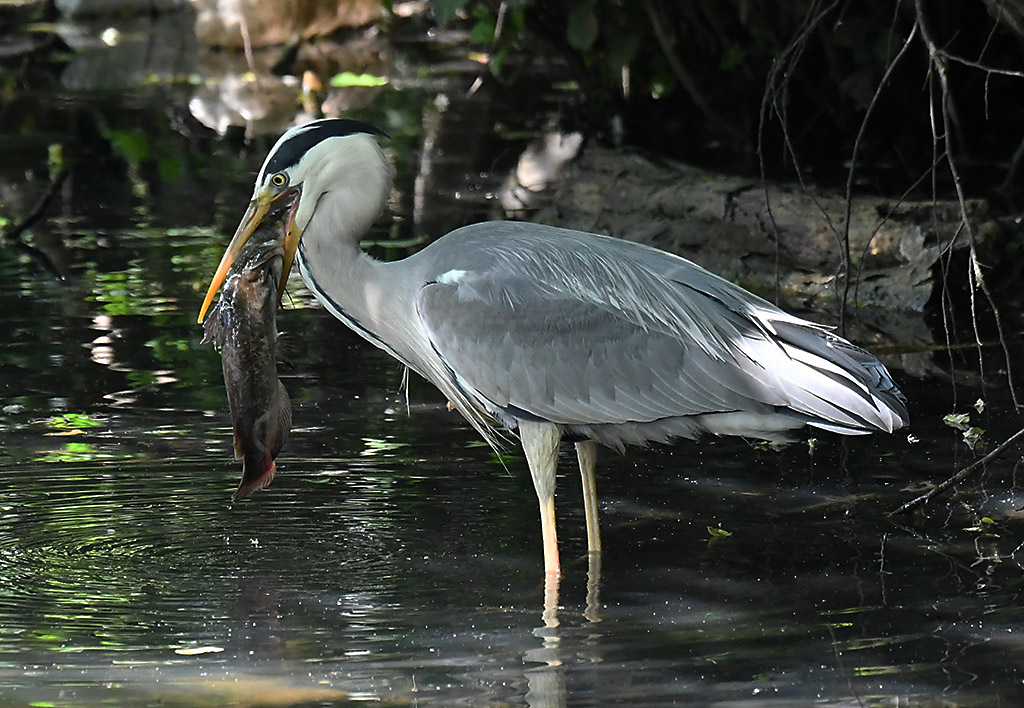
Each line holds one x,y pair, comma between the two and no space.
498,61
72,421
718,532
55,158
483,31
972,437
132,146
445,10
378,446
959,421
582,26
346,79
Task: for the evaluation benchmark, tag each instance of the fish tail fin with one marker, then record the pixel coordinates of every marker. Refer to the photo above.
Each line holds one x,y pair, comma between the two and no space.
256,474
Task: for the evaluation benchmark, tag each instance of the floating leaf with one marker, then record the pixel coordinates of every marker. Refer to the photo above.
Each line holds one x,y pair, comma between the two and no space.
771,445
960,421
65,433
972,437
74,452
717,534
196,651
376,446
72,421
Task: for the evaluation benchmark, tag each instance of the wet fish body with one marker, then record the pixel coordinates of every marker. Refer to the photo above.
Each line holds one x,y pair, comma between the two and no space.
243,327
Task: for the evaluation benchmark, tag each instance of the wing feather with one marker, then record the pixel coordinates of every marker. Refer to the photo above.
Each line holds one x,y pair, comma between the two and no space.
571,361
584,330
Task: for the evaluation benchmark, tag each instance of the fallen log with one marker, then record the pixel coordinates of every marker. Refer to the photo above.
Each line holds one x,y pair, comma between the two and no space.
775,239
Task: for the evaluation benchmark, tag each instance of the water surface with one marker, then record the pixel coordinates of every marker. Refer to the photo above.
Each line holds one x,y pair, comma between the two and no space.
396,558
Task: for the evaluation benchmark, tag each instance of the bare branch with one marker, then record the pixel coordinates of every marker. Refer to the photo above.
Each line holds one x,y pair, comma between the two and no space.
845,238
958,477
943,54
976,277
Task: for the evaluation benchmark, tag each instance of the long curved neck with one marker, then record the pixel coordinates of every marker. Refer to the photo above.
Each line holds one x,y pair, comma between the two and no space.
344,182
371,297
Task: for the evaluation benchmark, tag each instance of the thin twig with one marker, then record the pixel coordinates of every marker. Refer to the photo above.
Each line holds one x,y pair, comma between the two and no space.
789,57
243,26
37,211
686,79
893,208
14,234
978,65
958,477
845,236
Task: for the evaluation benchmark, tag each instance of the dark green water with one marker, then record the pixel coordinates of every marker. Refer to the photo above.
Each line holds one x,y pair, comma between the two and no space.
395,559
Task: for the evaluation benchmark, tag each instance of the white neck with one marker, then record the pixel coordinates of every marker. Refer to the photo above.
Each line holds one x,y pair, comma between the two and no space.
345,182
341,198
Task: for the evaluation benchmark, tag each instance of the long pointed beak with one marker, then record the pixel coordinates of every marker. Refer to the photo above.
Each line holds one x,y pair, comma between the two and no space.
258,208
292,236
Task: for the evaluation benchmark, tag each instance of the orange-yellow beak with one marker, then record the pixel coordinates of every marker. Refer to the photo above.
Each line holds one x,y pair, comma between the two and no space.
292,236
253,217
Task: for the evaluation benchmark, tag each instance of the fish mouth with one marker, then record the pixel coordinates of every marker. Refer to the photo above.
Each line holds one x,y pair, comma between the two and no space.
253,481
254,215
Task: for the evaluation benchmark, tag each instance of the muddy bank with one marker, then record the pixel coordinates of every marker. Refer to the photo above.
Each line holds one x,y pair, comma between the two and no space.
770,239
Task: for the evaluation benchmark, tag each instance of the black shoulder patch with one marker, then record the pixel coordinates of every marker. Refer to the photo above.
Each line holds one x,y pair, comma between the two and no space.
291,150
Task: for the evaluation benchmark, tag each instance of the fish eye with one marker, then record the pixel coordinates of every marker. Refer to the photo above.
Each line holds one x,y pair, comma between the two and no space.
279,179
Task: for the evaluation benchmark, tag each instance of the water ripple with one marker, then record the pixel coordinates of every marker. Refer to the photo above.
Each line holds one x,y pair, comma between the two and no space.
120,557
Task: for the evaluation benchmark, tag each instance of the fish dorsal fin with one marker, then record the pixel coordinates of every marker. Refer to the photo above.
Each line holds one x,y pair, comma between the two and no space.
290,346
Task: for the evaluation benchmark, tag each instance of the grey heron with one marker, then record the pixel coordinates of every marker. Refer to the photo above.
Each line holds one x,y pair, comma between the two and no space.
556,333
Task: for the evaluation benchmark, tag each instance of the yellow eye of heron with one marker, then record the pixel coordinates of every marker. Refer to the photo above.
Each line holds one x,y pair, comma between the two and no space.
279,180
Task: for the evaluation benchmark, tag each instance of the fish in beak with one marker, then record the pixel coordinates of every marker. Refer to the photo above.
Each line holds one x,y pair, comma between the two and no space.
257,211
243,328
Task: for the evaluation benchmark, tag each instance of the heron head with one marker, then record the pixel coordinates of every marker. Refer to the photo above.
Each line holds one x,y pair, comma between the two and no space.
305,164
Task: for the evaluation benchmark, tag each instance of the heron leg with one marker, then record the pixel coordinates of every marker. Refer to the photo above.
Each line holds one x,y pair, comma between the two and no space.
540,443
586,451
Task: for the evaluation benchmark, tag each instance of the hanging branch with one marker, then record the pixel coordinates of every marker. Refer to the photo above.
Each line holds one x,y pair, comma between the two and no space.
776,84
958,477
937,59
845,236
